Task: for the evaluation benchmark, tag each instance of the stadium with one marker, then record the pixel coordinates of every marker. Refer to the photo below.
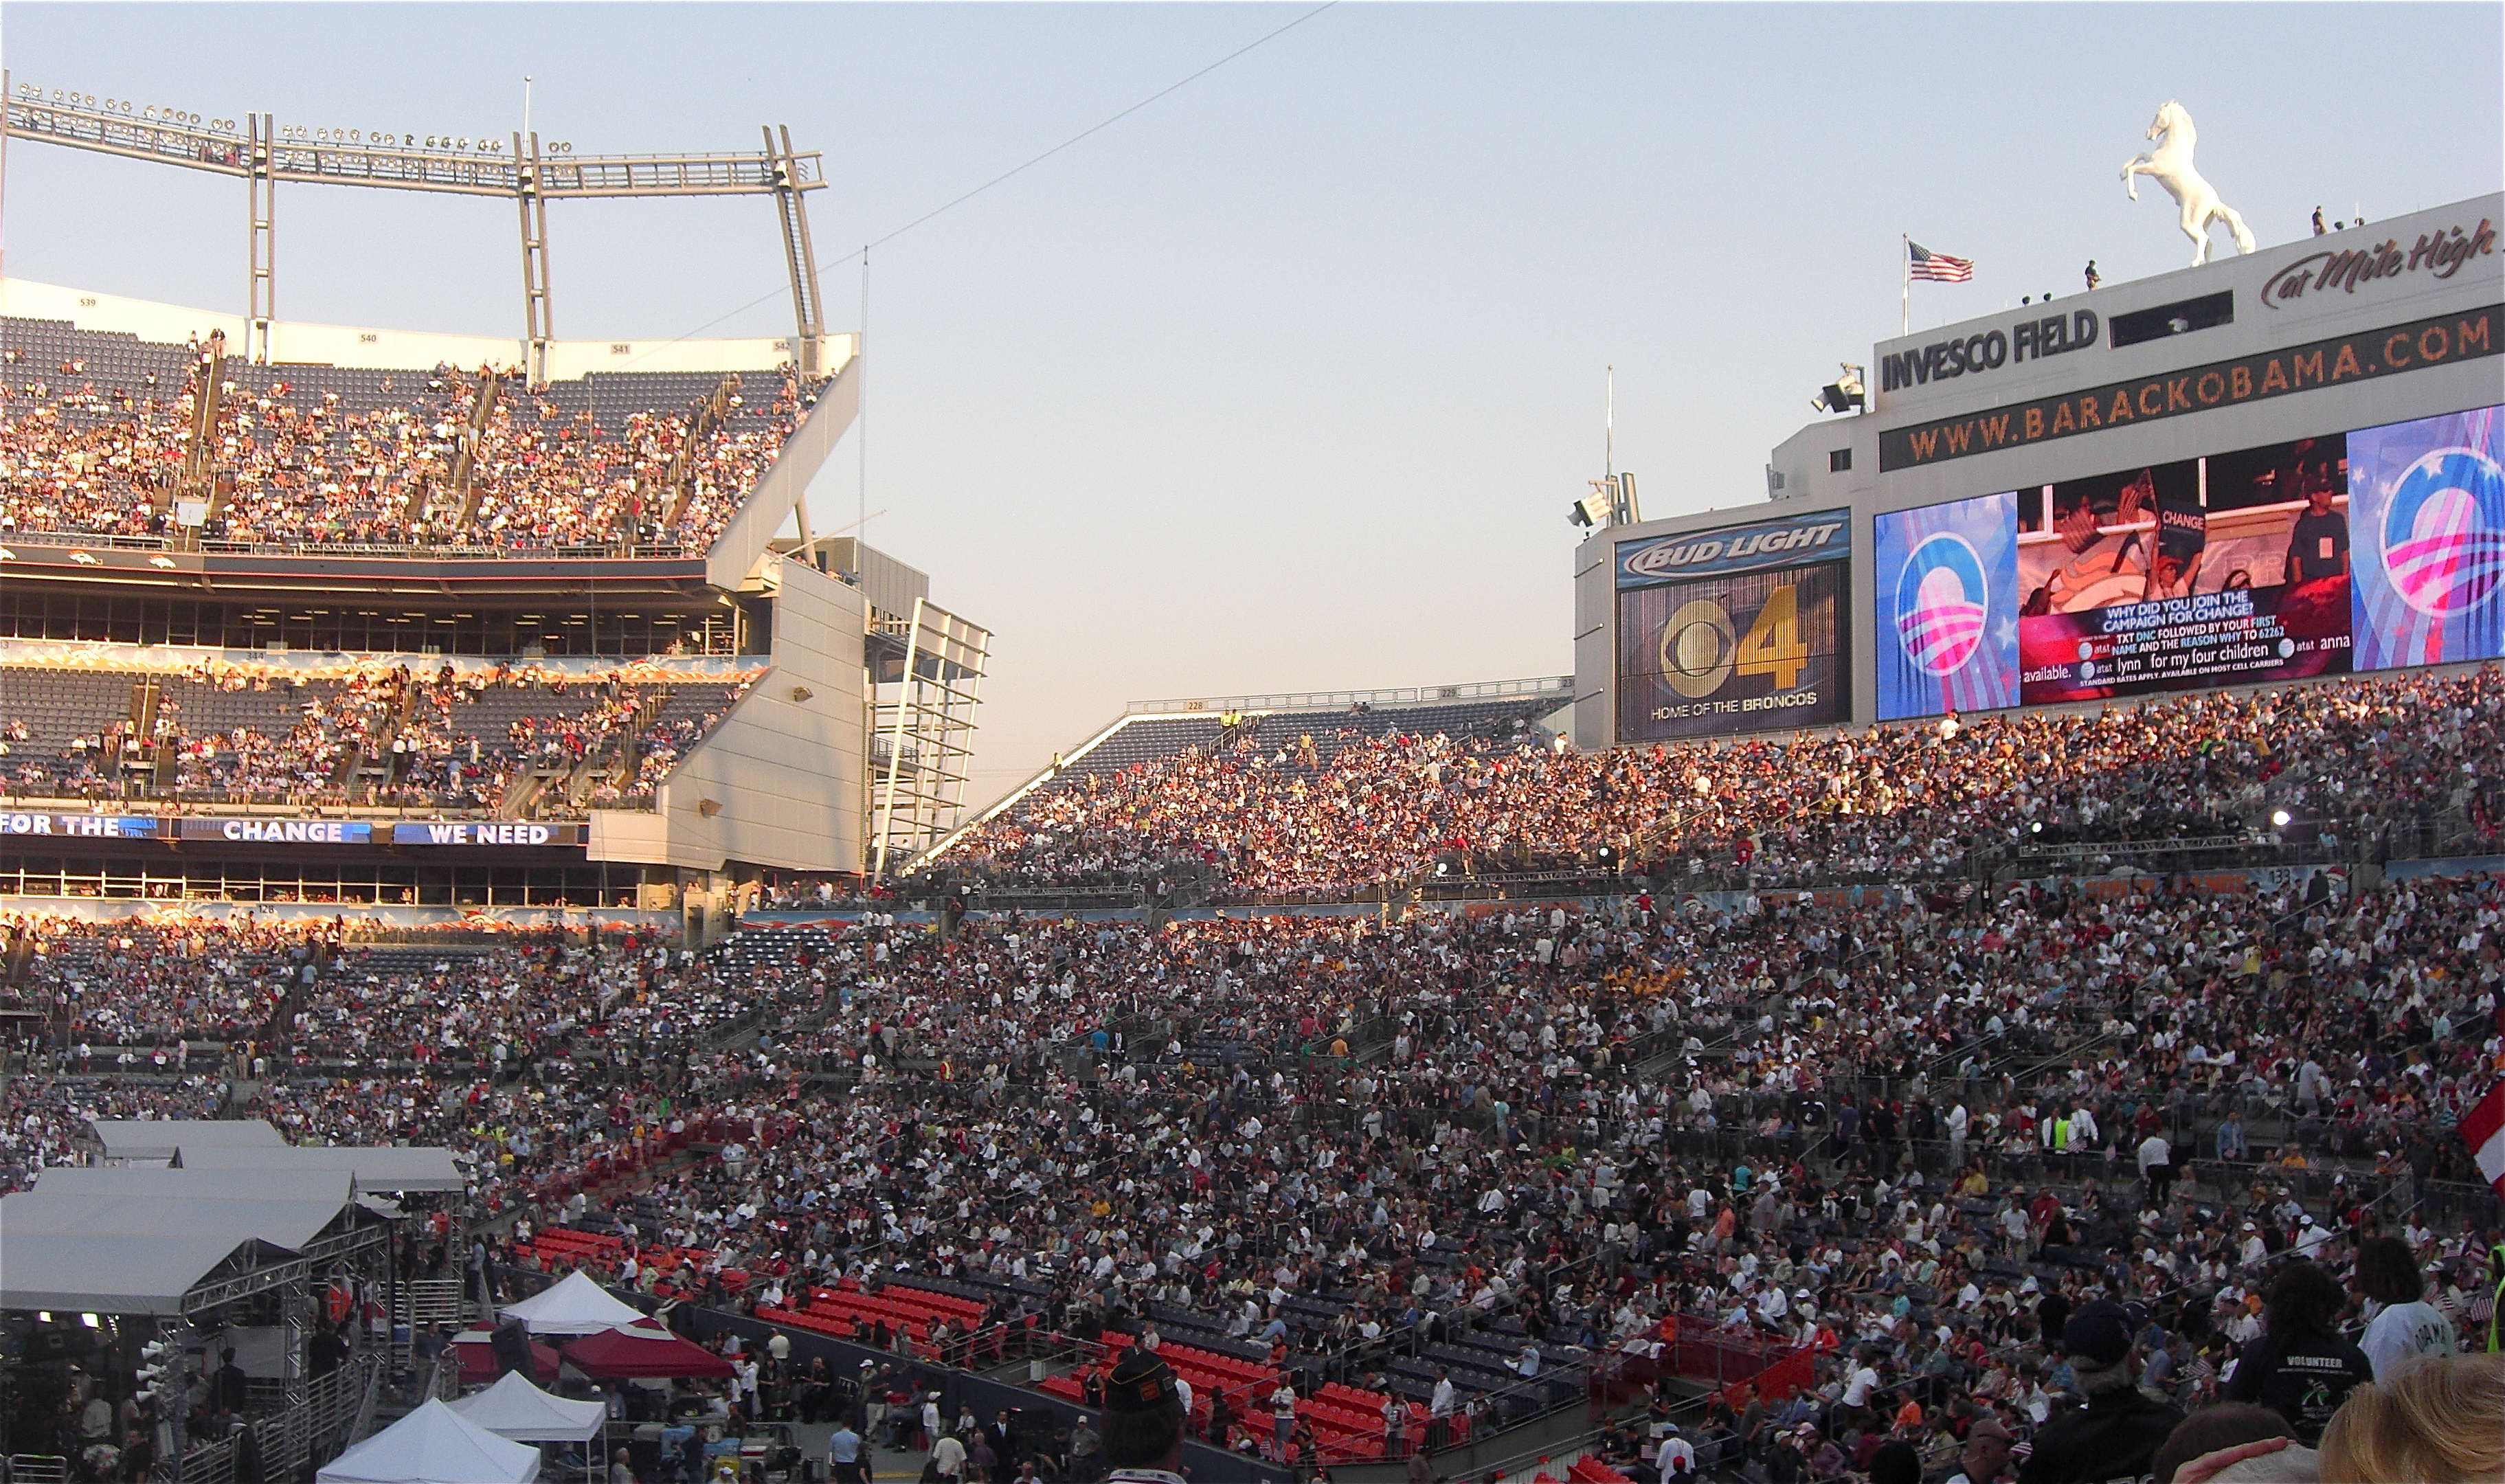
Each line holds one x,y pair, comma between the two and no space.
1990,956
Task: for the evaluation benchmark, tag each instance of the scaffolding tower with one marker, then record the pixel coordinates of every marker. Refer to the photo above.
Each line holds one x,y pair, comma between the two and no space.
922,721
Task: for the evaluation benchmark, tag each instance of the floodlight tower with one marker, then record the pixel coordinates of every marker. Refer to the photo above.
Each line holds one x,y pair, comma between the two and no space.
265,153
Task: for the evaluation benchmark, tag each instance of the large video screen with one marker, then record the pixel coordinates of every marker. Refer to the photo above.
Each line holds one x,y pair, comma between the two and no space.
2225,570
2236,567
2428,500
1947,589
1734,630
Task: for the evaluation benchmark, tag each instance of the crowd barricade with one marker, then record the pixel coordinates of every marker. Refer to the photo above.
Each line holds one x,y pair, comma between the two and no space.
1697,1349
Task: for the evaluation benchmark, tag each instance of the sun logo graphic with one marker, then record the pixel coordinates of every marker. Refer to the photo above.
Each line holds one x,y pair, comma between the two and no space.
1940,600
2443,532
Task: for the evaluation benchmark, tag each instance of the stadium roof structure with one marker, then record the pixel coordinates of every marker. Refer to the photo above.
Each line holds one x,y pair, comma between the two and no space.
129,1273
389,1168
260,152
125,1138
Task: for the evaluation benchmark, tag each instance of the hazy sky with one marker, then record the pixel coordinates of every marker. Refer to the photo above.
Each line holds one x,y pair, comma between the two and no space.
1285,381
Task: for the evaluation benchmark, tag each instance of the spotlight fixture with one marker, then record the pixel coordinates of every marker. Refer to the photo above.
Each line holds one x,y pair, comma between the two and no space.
1845,394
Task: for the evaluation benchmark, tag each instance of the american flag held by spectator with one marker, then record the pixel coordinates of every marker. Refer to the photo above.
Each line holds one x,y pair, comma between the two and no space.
2485,1129
1935,267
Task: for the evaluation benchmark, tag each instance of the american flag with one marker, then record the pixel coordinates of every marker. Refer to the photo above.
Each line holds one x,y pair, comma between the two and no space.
1936,267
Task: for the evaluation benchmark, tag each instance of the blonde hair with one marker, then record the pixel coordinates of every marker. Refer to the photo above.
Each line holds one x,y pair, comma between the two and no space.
2442,1422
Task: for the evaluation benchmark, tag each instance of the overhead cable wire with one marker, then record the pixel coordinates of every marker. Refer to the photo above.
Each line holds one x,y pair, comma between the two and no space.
1014,171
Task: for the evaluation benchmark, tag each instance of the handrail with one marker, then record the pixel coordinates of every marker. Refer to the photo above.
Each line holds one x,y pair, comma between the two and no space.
1404,695
123,540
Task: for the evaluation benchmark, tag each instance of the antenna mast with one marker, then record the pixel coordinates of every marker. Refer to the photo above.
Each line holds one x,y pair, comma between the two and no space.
1610,427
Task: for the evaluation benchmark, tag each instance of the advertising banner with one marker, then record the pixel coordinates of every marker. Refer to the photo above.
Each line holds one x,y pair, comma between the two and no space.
1735,629
80,827
280,831
2395,349
2225,570
2430,519
1947,581
490,834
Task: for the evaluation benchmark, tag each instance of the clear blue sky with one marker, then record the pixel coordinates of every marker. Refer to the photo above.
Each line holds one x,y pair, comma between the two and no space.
1285,381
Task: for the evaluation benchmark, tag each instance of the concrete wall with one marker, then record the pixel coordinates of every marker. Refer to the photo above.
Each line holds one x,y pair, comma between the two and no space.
891,584
735,554
779,781
2266,319
357,345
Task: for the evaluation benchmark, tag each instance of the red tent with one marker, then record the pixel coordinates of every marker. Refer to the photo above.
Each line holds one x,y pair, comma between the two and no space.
619,1353
478,1358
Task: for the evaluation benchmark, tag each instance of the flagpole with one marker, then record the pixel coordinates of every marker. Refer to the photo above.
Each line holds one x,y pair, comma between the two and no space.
1905,280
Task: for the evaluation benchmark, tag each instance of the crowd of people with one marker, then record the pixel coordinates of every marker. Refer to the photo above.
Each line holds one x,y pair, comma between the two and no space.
1319,814
390,736
2051,1161
305,468
1879,1133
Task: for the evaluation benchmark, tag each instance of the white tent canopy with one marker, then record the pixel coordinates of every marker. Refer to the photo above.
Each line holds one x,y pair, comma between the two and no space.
158,1137
515,1408
385,1168
576,1305
434,1445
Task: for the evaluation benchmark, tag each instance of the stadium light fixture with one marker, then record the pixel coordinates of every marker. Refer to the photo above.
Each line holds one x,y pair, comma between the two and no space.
2282,818
1847,393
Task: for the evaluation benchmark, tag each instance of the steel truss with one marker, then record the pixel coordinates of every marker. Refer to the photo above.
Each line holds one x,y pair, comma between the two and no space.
922,716
263,155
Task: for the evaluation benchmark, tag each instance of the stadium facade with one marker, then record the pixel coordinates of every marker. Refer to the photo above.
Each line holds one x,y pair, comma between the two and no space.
643,711
2269,468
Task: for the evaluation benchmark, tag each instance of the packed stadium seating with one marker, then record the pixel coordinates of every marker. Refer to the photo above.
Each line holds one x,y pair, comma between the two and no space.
92,426
1382,800
1715,1150
526,743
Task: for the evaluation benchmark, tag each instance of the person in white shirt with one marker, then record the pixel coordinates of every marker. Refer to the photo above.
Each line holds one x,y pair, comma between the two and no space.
1677,1456
948,1456
2403,1328
1864,1381
2157,1166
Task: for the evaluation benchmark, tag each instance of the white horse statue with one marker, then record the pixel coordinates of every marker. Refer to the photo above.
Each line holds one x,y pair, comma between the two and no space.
2171,163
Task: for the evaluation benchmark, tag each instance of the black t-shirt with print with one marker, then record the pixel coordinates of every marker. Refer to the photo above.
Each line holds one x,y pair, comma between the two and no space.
2318,544
2304,1381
